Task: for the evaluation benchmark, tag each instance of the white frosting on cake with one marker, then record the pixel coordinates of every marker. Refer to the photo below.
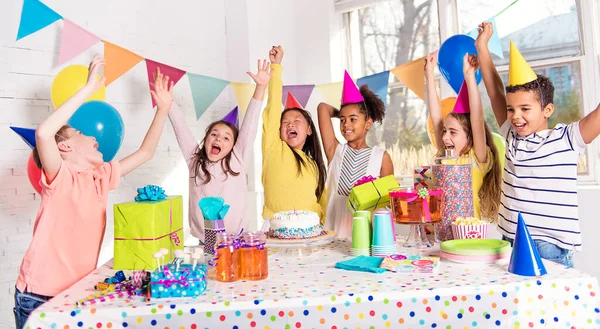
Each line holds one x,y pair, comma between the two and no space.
295,224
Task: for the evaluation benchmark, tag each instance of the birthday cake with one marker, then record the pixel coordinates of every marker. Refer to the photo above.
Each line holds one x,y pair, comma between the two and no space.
295,224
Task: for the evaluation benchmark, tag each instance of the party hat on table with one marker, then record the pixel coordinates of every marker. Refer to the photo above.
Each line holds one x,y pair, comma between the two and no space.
292,102
462,100
27,134
232,117
525,259
350,92
519,71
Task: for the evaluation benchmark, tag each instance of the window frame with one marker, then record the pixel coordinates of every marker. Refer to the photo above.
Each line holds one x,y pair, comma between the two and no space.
588,12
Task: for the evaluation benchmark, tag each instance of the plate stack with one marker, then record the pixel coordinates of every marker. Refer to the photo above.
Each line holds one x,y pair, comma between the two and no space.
475,251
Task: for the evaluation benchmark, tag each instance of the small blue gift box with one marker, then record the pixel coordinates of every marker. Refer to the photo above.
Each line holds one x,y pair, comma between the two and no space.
167,282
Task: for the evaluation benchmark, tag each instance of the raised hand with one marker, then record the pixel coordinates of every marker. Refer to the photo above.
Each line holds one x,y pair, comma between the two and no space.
485,29
263,74
92,80
429,62
163,91
276,54
470,65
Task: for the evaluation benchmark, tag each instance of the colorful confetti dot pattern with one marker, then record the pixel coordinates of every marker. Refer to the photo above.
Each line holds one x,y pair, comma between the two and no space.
310,293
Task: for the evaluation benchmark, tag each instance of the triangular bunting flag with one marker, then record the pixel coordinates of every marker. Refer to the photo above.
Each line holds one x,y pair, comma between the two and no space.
378,83
118,61
494,45
232,117
74,41
204,91
331,93
174,74
27,134
412,76
34,17
301,93
243,93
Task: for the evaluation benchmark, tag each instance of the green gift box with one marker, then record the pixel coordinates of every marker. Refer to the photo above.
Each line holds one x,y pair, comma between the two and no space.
143,228
371,195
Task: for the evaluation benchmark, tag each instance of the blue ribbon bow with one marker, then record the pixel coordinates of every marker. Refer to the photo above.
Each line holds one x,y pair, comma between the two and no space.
150,193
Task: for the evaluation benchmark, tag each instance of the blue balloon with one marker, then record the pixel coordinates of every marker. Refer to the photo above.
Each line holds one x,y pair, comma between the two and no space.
450,59
103,121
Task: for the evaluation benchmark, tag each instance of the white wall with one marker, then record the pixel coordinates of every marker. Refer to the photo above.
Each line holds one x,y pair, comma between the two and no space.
154,29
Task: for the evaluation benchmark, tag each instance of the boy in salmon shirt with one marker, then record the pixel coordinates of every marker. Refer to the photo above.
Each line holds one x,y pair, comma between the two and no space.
70,223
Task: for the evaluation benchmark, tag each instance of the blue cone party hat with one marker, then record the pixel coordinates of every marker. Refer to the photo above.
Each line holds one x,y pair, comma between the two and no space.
27,134
525,259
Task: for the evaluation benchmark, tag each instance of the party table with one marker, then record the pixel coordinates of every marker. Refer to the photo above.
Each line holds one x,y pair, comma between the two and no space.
308,292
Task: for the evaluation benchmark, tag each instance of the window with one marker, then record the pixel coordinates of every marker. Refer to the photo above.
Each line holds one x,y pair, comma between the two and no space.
384,34
545,33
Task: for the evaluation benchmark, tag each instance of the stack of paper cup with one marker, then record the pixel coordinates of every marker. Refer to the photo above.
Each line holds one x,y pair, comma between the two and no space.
389,213
383,236
361,236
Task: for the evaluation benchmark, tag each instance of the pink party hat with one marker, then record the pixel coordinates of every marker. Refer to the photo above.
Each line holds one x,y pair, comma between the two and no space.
350,92
462,100
292,103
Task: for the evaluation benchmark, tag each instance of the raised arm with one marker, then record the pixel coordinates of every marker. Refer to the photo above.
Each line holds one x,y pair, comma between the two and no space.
470,66
185,138
272,113
491,77
249,125
44,134
325,113
387,166
163,96
433,101
589,126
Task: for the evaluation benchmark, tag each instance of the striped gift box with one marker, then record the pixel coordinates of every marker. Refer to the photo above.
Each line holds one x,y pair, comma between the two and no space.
479,231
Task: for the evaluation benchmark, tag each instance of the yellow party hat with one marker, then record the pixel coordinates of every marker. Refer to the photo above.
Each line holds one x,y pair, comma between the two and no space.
519,71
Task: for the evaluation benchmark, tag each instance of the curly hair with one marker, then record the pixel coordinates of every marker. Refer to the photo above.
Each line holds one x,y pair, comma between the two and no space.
543,87
372,107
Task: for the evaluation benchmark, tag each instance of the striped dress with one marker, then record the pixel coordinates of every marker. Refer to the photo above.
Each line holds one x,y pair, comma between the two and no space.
540,181
347,167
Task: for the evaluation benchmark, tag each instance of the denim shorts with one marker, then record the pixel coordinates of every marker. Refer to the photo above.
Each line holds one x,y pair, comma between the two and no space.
551,252
25,303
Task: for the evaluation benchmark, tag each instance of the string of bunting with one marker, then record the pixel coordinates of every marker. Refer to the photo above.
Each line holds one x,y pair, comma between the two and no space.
205,89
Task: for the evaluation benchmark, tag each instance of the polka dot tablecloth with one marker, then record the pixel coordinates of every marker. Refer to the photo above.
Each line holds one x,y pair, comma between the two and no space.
309,292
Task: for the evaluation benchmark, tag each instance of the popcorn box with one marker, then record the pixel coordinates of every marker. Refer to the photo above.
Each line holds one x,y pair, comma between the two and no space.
189,281
477,231
144,227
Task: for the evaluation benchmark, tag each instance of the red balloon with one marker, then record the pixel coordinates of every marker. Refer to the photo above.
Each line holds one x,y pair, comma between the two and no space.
35,174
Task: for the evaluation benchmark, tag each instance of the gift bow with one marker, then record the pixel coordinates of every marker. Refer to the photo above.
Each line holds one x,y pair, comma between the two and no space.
175,238
150,193
183,279
422,193
364,180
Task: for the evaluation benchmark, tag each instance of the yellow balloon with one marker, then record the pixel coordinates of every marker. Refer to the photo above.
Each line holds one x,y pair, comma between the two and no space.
447,105
68,81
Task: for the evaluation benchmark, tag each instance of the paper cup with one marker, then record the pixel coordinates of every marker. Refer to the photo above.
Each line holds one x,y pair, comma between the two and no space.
361,232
